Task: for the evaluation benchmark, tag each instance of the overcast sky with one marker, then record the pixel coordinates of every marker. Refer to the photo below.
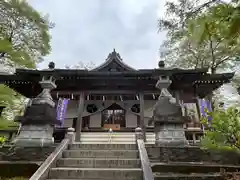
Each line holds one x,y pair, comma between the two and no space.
88,30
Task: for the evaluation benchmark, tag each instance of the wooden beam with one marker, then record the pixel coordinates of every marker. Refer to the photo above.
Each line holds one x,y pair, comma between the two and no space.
122,92
79,116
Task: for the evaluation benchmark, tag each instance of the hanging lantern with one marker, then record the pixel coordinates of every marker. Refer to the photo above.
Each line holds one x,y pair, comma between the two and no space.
91,108
135,108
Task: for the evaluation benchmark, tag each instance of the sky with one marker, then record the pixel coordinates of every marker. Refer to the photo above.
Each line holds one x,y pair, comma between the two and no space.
88,30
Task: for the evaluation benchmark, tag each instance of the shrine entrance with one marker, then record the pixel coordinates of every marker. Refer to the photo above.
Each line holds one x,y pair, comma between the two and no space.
114,117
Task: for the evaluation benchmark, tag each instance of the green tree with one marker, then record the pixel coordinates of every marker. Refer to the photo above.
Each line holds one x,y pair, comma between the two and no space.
24,40
223,129
24,34
200,35
211,30
197,37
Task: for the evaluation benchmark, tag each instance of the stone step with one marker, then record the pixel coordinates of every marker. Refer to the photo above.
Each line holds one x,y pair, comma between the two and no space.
106,142
114,132
122,135
191,167
170,176
99,163
90,179
80,146
111,140
96,173
133,154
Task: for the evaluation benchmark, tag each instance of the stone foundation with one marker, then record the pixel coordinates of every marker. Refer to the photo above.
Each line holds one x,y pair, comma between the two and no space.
170,135
192,154
26,153
22,162
35,136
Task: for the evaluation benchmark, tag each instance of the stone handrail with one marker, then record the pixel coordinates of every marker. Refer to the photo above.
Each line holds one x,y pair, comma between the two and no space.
43,170
145,163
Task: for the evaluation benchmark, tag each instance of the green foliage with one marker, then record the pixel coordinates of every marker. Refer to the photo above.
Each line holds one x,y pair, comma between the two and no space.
24,36
222,131
7,124
6,95
2,140
199,35
24,40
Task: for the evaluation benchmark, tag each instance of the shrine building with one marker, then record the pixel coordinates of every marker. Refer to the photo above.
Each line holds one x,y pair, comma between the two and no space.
115,95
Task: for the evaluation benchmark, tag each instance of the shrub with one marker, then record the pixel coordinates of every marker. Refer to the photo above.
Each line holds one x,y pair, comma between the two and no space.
222,129
2,140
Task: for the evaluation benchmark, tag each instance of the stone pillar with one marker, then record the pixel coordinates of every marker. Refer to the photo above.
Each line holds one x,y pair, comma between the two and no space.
139,133
79,116
39,119
168,118
71,135
142,124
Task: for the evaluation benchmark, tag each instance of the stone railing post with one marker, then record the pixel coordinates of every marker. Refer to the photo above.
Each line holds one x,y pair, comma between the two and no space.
139,133
71,135
145,163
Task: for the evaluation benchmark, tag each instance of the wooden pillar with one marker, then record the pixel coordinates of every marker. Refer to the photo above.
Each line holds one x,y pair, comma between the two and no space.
79,116
141,99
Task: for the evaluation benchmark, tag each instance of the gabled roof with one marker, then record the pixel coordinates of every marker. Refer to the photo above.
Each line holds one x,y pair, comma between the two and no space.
115,63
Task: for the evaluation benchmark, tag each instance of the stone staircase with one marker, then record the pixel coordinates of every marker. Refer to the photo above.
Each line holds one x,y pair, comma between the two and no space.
98,162
116,138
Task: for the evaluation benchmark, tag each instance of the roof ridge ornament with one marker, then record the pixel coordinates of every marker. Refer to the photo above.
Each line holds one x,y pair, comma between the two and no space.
114,55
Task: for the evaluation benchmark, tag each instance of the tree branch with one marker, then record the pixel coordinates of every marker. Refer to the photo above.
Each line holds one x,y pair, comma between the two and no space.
213,69
221,61
207,4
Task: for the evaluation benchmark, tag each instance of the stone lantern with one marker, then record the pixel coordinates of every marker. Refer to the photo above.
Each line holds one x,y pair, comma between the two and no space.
168,118
39,118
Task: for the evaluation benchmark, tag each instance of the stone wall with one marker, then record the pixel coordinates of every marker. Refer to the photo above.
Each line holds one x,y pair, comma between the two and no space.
192,154
25,154
22,162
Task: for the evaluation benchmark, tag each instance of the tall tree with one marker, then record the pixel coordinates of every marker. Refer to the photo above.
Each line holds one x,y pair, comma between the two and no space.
211,30
24,34
200,35
24,40
197,37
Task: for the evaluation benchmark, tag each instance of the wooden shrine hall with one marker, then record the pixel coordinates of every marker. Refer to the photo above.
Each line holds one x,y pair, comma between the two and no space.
114,95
